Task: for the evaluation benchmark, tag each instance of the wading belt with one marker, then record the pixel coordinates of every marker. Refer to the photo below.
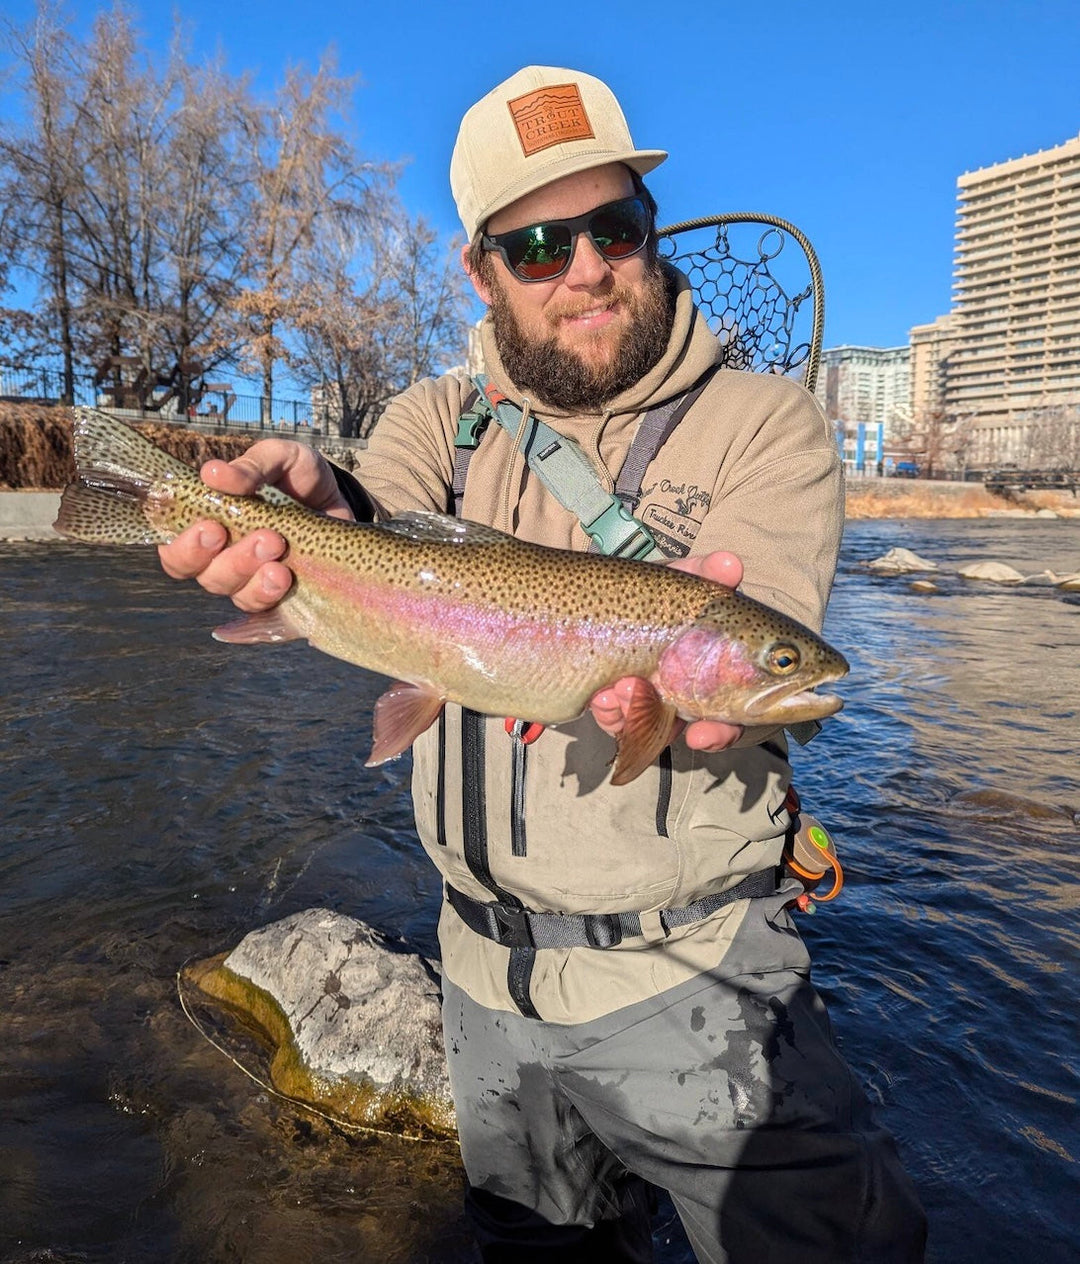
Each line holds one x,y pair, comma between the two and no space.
517,927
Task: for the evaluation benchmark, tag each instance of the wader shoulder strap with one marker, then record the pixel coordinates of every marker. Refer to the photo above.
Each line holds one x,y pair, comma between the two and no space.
571,478
607,518
656,428
470,430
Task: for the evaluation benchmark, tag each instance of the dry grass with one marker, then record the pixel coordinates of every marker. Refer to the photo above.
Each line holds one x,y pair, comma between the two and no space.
884,501
35,446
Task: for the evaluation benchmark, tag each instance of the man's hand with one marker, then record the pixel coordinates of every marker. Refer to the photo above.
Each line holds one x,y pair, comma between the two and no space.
609,705
249,571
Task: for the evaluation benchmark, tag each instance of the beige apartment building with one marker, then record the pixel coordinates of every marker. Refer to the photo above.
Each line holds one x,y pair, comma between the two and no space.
1009,357
932,346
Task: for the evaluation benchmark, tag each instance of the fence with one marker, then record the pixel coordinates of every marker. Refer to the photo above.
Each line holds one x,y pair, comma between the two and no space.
218,408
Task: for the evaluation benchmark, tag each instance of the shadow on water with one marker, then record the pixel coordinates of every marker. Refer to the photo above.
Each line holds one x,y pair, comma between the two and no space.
163,794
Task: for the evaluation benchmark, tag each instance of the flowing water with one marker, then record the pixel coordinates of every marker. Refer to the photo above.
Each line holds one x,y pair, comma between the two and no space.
161,795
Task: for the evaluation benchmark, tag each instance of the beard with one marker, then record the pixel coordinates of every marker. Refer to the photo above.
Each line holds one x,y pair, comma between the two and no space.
564,379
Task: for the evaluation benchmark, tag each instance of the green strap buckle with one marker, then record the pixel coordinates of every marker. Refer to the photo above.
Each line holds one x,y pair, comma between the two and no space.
470,428
619,534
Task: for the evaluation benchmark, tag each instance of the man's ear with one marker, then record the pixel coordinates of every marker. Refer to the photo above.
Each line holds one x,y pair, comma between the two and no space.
483,292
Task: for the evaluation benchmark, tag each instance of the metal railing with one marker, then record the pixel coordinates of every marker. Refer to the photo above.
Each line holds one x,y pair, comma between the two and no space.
216,409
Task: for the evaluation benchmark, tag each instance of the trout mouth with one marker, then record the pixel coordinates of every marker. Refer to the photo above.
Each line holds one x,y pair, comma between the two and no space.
792,702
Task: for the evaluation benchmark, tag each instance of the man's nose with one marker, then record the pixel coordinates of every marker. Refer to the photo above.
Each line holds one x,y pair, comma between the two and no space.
588,266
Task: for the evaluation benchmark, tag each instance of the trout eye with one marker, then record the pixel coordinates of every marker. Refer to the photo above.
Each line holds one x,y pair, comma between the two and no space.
782,658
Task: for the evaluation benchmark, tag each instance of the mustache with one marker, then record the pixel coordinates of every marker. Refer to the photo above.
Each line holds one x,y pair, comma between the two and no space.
563,379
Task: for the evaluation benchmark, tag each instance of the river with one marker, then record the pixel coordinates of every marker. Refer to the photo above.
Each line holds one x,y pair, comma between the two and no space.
161,795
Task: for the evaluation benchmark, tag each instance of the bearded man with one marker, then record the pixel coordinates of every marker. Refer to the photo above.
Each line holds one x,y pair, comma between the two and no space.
627,1003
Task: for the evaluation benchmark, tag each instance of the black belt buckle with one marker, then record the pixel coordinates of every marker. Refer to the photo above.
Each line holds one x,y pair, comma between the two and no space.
513,926
602,930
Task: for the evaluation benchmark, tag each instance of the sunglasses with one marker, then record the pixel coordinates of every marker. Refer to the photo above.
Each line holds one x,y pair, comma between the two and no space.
543,252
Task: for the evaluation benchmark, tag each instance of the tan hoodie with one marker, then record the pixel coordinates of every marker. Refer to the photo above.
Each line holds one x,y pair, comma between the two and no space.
751,468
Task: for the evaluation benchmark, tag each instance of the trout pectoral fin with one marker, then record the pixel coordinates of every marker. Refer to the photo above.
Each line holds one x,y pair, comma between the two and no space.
402,713
646,731
257,629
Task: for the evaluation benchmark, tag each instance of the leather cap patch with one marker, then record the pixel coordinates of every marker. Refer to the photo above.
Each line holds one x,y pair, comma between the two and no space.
549,116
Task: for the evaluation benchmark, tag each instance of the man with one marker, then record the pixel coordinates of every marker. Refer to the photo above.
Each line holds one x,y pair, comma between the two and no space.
627,1002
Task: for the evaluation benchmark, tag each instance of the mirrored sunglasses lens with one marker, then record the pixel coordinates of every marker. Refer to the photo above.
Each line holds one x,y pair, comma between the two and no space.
620,230
540,252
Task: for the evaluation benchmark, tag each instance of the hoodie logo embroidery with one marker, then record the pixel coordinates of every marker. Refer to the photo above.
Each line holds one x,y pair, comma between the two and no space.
673,513
549,116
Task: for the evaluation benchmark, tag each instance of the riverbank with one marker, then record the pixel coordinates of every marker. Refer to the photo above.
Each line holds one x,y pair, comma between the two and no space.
926,498
28,515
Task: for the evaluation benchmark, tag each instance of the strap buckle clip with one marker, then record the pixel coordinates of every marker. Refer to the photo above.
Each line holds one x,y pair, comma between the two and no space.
513,926
470,428
619,534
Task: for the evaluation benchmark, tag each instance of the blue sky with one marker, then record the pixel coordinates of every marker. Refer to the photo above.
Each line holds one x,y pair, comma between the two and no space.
851,120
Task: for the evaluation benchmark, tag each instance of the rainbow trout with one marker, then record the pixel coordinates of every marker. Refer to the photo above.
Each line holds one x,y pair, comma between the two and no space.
455,611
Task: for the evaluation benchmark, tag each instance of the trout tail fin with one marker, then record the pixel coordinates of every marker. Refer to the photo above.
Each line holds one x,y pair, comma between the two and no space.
115,457
116,467
103,517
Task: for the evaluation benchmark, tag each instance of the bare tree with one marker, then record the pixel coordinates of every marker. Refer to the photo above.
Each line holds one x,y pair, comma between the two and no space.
121,198
376,314
174,224
433,298
42,180
304,179
201,217
1052,437
122,232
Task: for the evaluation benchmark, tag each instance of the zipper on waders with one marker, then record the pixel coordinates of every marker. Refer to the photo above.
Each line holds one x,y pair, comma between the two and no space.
474,829
522,735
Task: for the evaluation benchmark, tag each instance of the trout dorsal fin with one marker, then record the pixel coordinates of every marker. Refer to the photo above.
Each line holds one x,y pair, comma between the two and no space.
437,528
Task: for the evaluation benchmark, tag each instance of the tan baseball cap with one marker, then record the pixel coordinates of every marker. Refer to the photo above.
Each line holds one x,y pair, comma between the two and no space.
539,125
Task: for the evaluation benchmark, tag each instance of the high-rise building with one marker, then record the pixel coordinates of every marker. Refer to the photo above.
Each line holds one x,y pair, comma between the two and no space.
1016,301
867,384
932,346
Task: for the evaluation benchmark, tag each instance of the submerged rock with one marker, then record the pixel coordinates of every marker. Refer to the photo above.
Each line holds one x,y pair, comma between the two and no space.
996,804
354,1022
899,561
994,572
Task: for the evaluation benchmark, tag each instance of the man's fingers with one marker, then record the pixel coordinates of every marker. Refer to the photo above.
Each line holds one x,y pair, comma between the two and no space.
721,567
607,712
295,468
247,571
610,704
265,588
241,477
711,735
192,550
